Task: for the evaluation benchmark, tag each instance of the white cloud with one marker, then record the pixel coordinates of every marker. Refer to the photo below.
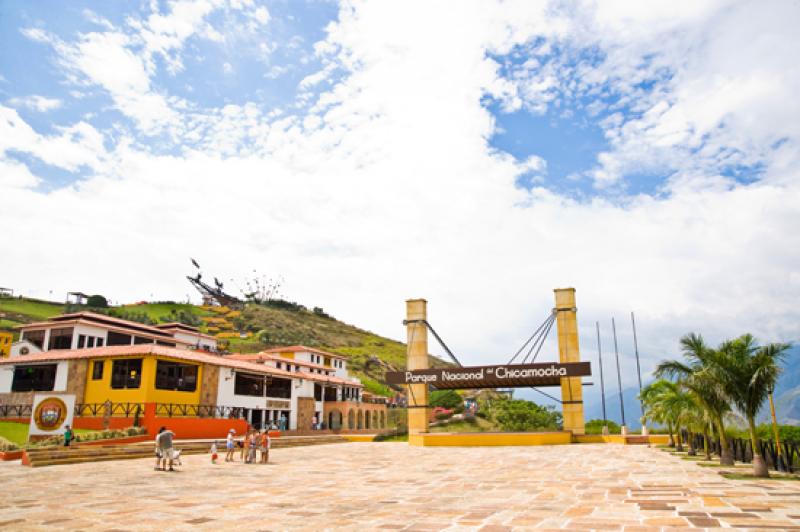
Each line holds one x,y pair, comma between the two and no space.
77,146
36,102
388,189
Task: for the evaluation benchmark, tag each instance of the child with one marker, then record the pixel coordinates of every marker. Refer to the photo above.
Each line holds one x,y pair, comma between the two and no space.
246,447
214,453
229,445
265,447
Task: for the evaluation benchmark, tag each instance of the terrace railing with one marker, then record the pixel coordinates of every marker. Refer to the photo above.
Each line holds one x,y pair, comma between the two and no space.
15,411
190,410
109,409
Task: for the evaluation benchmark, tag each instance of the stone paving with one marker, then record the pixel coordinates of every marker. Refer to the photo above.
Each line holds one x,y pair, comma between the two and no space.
391,486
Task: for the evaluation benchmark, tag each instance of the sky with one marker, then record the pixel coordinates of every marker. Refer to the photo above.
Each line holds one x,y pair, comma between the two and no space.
644,153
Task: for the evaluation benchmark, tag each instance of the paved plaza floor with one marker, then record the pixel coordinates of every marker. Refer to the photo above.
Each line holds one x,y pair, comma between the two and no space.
392,486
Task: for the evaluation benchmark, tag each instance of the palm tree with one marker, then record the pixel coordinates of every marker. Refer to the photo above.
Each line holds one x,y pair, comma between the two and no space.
747,372
696,374
659,405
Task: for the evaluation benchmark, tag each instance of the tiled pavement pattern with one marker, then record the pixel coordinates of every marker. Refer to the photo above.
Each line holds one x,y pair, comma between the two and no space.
391,486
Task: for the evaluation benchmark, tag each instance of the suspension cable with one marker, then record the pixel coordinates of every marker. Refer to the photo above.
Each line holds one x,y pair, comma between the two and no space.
536,332
539,342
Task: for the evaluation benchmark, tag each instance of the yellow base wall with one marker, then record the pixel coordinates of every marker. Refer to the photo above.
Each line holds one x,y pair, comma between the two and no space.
653,439
359,437
482,439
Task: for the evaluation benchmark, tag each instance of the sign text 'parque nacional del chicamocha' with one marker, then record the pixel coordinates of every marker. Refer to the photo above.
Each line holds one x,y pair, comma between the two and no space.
505,376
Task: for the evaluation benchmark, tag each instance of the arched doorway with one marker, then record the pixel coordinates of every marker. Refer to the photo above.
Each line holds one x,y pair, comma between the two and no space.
366,419
375,419
334,420
351,419
382,420
360,420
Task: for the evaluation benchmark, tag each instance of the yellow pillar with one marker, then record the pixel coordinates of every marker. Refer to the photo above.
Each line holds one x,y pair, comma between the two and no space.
569,351
417,338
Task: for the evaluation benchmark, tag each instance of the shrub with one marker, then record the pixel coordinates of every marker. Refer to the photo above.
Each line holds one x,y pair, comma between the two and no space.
516,415
443,416
595,426
7,445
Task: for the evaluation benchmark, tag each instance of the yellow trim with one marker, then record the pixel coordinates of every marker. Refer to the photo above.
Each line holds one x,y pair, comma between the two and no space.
480,439
5,344
99,391
287,354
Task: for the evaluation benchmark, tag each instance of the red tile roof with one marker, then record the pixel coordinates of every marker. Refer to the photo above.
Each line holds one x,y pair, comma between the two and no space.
302,348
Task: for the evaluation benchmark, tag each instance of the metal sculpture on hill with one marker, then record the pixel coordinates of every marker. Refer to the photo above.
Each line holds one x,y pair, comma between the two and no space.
213,295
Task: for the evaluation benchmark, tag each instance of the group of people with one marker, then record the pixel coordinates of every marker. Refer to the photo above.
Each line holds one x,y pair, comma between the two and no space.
253,442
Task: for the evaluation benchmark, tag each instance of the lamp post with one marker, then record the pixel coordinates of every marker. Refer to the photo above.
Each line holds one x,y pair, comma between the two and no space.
779,459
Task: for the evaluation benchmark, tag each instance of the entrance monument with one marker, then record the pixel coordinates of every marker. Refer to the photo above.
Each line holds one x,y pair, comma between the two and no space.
566,373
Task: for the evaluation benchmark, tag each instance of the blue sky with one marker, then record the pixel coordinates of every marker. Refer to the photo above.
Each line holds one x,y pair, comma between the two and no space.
369,152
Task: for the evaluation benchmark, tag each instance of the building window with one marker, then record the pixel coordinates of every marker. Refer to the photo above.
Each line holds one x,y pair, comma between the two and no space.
115,338
126,373
97,370
34,337
34,378
139,340
81,341
99,343
90,341
168,344
174,376
248,384
280,388
60,338
317,392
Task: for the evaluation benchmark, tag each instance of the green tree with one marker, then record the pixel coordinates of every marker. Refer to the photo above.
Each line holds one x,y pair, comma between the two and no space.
97,301
697,374
747,372
516,415
446,399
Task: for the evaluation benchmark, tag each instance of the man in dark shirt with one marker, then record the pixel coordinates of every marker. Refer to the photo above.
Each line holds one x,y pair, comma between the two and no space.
165,445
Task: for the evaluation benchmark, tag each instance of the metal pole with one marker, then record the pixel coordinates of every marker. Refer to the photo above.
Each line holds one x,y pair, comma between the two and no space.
638,372
602,385
619,374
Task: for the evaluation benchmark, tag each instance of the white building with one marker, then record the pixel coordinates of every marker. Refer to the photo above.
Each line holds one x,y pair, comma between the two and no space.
85,330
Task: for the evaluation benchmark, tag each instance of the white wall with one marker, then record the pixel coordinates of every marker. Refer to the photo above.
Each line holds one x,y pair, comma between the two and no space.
6,378
16,346
62,370
195,339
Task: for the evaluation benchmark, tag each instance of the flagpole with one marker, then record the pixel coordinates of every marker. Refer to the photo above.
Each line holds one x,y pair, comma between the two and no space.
602,384
623,429
639,374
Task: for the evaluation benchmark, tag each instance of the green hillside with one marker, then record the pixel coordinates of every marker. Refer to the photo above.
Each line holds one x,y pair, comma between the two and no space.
250,330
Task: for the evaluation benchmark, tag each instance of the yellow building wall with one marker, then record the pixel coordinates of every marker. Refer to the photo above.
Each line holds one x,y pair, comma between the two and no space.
287,354
5,344
99,391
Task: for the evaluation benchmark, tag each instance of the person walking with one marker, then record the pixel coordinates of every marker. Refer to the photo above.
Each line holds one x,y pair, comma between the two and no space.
229,446
68,436
158,449
165,444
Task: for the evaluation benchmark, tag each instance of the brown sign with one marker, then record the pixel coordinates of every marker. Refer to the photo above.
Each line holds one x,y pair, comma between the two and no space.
507,376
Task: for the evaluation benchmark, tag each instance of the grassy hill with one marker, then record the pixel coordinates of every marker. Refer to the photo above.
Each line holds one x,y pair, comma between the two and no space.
254,328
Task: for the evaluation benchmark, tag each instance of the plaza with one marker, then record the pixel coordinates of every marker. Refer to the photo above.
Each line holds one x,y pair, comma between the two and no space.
394,486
